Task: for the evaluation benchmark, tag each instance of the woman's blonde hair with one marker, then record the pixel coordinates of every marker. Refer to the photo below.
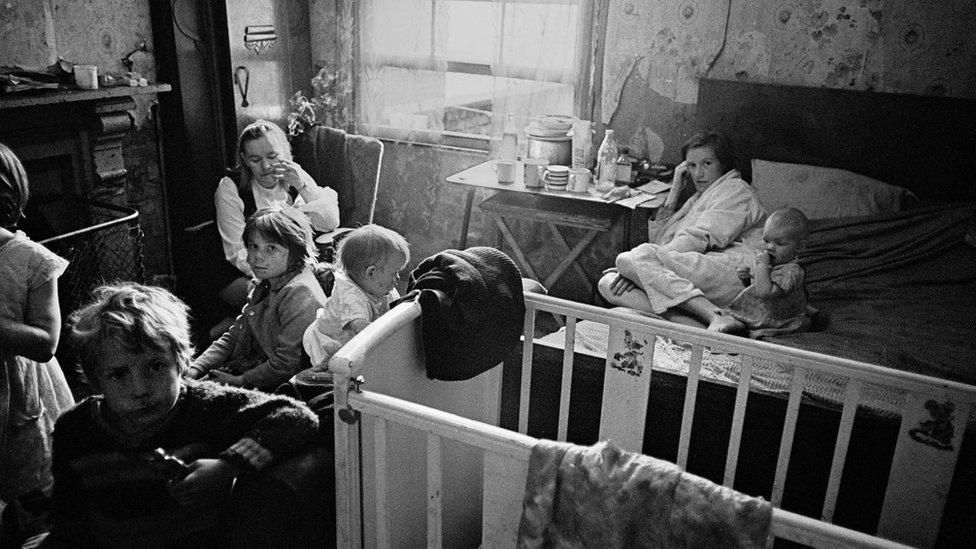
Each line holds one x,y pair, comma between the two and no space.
370,245
140,318
287,229
257,130
14,190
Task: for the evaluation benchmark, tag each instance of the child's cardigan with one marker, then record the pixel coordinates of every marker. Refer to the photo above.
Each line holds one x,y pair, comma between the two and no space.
265,343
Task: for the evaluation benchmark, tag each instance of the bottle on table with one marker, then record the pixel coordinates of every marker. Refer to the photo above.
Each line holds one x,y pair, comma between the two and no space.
623,168
509,146
606,163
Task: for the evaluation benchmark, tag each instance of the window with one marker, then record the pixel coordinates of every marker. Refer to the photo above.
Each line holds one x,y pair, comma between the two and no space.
447,71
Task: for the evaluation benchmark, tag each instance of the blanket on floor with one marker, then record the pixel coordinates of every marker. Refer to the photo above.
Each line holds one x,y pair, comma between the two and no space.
601,496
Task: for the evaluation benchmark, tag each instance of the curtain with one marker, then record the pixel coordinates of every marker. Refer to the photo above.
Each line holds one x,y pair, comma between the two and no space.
448,71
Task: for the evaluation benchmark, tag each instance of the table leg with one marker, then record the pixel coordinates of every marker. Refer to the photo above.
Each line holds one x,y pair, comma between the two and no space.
516,249
571,256
466,219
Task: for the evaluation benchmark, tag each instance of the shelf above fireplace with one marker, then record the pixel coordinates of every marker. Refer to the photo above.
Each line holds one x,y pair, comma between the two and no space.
41,98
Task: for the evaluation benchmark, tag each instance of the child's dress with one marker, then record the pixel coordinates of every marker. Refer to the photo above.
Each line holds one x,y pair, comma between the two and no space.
330,330
776,315
32,394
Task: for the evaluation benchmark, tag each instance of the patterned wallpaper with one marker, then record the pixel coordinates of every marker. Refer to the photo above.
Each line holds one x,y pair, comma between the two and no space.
658,49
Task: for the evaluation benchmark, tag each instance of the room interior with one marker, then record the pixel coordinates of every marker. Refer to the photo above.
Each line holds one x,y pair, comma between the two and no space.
638,66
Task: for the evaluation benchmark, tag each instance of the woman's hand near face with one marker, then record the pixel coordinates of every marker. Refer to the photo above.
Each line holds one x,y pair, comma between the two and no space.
681,176
288,174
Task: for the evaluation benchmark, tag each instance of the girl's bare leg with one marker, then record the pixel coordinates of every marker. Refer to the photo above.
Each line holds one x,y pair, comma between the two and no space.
635,298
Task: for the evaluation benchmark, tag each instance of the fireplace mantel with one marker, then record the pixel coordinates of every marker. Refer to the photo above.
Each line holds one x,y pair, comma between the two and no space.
13,101
72,139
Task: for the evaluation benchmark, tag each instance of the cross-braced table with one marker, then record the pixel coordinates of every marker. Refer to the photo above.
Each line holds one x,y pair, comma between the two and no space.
551,208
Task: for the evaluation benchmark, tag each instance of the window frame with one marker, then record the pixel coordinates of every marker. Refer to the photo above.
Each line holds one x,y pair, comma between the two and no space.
578,77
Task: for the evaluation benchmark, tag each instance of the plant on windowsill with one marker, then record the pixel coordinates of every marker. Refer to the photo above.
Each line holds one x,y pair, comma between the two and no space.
327,106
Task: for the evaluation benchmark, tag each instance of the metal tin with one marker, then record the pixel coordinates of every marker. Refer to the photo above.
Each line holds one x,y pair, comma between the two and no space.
557,150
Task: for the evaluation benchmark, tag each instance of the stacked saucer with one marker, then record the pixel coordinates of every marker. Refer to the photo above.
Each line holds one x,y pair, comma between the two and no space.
549,126
557,177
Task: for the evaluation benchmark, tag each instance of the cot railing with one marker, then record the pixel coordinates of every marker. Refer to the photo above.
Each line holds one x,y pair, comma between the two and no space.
913,501
506,458
915,496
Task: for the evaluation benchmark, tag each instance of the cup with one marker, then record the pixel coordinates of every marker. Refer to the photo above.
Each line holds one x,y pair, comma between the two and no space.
579,180
533,177
505,170
86,77
557,177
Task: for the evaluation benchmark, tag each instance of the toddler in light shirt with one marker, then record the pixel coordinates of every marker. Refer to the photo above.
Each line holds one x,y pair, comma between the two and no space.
775,302
369,261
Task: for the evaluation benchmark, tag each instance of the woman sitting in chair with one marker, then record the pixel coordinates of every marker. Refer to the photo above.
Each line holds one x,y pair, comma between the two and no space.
269,178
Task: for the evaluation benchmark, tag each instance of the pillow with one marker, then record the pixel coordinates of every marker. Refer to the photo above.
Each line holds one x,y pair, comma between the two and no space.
824,192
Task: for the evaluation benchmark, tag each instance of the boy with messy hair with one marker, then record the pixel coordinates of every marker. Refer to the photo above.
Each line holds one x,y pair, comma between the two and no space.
133,345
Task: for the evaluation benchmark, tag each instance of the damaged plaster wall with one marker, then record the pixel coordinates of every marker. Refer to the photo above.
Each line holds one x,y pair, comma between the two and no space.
658,49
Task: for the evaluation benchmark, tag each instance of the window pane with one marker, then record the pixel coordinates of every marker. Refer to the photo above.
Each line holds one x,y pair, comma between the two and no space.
541,36
467,31
530,48
456,102
399,27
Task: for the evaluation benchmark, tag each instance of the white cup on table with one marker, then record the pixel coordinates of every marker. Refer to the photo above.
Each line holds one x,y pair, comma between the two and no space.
505,170
533,176
579,180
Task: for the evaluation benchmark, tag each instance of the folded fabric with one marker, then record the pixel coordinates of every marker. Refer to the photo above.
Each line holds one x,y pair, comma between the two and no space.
601,496
478,321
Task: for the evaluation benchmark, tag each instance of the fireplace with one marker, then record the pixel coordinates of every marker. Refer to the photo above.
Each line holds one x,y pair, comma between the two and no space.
70,142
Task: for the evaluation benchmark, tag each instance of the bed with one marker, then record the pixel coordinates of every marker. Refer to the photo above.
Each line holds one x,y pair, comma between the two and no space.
865,422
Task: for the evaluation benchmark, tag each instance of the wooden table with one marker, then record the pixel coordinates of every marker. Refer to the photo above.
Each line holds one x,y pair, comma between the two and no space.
553,208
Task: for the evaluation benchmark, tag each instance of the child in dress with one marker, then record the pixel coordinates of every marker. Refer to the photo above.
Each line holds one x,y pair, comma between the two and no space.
133,344
370,259
262,348
33,390
776,302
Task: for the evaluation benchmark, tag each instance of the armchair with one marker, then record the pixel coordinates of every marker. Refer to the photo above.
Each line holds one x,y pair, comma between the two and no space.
348,163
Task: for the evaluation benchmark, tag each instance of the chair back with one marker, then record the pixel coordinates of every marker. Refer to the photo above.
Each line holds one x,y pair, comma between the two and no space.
365,154
348,163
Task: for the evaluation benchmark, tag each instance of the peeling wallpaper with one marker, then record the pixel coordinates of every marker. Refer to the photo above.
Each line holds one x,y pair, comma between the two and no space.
907,47
657,50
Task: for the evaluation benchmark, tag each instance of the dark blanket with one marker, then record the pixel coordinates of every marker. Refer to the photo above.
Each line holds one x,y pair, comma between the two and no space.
321,151
478,322
601,496
898,290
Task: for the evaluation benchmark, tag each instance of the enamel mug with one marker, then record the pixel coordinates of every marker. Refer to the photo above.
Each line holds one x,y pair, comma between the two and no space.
579,180
533,177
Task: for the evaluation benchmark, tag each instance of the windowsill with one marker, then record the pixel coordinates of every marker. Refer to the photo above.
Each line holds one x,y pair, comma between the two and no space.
441,146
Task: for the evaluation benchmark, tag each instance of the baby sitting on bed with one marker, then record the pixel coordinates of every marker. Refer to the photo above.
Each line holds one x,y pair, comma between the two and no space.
775,302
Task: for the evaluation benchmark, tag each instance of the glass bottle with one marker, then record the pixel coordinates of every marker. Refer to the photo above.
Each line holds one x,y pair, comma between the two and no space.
509,146
606,163
623,168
